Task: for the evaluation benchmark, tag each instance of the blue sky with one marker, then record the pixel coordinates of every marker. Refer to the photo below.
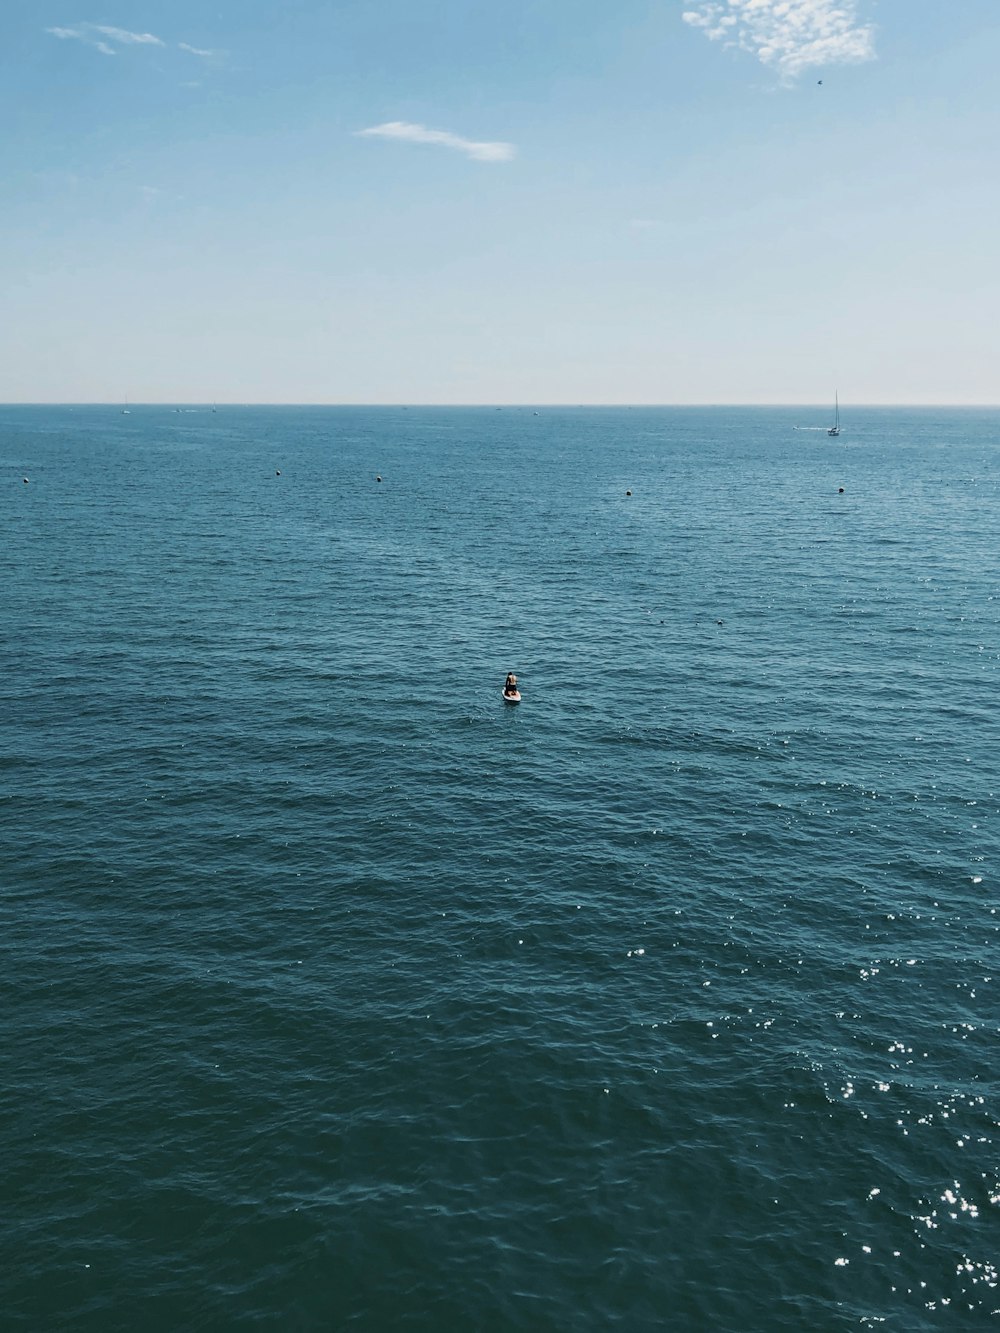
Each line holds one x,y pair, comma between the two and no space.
448,201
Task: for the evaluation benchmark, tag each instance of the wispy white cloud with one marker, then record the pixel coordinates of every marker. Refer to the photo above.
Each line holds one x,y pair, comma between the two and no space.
102,37
195,50
788,35
481,152
82,34
125,37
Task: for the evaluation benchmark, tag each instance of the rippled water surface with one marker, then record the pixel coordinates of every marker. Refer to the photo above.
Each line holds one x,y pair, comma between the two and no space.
340,994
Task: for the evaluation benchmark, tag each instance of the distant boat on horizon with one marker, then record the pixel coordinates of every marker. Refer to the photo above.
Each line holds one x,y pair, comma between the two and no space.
835,428
125,410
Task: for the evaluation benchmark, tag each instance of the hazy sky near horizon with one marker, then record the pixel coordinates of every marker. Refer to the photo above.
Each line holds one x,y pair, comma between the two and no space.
406,201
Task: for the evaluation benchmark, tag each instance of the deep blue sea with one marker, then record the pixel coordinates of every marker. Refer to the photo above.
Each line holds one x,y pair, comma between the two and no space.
339,994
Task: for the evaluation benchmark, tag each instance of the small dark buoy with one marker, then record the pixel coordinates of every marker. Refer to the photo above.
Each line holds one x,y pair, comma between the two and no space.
720,622
25,481
841,491
277,472
628,492
378,478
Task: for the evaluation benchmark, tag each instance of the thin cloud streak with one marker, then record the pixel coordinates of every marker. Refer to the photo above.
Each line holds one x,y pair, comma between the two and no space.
88,39
125,37
93,34
788,35
404,130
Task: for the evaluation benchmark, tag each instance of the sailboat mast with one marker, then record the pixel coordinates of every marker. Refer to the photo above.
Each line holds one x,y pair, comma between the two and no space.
835,428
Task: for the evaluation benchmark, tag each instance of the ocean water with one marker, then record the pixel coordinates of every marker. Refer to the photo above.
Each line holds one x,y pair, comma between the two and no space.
338,994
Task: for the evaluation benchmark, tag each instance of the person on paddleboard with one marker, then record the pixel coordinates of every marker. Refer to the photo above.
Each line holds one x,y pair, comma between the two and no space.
510,684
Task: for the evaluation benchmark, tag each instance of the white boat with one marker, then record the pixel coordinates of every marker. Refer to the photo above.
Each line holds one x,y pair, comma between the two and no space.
835,428
125,411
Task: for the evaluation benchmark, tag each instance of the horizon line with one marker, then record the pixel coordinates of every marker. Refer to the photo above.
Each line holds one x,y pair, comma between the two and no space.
208,404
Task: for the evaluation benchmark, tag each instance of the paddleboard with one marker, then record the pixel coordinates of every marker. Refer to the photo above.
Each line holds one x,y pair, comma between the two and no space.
512,698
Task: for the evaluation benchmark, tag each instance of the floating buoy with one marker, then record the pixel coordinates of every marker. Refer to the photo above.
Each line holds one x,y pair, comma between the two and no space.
277,472
378,478
841,491
25,481
628,492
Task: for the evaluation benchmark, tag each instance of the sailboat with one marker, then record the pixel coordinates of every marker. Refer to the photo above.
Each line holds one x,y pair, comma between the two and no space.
125,411
835,428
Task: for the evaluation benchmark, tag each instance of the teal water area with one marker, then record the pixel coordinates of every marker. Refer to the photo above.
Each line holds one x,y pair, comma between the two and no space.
338,994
